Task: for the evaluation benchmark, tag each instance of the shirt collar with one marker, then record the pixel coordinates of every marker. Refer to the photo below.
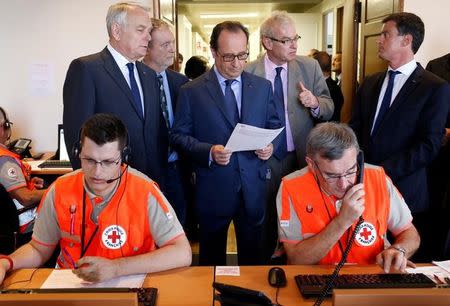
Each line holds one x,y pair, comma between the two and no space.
407,68
271,65
121,60
222,79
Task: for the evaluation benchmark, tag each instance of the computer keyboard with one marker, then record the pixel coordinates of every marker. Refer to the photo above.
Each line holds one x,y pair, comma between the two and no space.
55,164
312,285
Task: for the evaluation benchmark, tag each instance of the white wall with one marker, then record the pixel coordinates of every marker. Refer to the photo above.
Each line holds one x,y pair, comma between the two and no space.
435,15
39,39
308,26
184,38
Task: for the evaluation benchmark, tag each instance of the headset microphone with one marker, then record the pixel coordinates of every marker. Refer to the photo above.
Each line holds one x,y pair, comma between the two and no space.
116,178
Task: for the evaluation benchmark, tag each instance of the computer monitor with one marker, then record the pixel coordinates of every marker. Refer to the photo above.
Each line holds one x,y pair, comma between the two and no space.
62,149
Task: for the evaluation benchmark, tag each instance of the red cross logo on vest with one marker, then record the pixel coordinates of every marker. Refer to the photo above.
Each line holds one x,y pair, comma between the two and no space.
366,235
114,237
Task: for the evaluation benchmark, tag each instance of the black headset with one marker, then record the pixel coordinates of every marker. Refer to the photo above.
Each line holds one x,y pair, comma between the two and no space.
7,124
124,154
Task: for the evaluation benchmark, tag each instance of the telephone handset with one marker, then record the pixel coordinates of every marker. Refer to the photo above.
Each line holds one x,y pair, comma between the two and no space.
21,147
360,162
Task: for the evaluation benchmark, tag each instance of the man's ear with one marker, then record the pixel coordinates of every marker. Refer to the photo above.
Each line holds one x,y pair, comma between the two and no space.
407,40
116,31
310,163
267,43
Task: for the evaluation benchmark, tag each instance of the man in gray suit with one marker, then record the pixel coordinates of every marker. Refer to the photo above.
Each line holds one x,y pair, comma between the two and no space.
301,95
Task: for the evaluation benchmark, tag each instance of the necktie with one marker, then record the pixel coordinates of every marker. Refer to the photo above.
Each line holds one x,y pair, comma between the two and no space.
386,102
135,90
279,102
163,101
231,102
164,108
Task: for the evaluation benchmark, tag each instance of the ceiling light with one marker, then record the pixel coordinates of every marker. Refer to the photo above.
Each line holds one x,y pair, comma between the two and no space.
222,16
210,26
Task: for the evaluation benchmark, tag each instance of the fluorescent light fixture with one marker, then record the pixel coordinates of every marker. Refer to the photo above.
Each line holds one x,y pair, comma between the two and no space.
222,16
211,26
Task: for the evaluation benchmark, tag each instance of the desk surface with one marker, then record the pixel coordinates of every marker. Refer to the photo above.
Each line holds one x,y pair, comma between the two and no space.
193,285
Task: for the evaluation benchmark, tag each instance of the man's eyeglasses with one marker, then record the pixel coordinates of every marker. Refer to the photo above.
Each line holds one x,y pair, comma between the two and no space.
286,41
105,164
334,178
231,57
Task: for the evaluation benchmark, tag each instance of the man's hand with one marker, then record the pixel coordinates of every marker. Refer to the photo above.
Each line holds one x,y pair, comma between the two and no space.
306,97
393,259
38,182
265,153
95,269
352,205
220,155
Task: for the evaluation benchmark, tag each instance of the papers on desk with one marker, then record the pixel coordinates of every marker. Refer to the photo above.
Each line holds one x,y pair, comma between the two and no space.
228,270
248,138
438,273
64,278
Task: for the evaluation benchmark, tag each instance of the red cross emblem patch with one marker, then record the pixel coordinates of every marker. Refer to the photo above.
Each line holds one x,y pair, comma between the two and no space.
367,234
114,236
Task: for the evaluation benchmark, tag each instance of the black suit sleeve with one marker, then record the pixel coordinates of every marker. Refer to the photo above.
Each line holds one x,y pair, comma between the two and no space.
428,140
79,103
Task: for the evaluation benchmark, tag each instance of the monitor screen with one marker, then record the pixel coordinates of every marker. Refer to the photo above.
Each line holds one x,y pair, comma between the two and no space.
63,155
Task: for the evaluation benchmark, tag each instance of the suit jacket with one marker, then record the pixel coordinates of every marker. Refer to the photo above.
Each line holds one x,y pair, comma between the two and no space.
410,135
201,121
337,97
95,84
308,71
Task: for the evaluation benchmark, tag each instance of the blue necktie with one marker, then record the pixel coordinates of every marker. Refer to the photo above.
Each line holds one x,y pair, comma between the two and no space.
231,102
386,103
278,97
135,90
163,101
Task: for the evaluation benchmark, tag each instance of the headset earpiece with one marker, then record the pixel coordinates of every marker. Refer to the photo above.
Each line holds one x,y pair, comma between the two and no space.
126,151
7,124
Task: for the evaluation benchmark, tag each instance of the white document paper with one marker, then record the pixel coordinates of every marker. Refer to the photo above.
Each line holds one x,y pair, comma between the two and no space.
443,264
248,138
435,273
228,270
64,278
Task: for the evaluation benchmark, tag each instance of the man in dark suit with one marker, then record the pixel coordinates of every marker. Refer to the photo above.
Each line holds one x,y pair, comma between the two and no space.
399,117
324,60
160,55
114,81
230,185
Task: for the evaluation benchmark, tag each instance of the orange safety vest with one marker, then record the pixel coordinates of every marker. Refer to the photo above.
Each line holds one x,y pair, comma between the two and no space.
310,208
26,169
123,225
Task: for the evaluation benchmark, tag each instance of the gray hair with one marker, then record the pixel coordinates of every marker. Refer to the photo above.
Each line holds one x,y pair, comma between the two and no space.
158,24
276,18
117,13
330,139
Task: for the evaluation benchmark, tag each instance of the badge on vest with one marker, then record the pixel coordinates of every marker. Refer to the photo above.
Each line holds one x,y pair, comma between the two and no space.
12,173
114,236
367,235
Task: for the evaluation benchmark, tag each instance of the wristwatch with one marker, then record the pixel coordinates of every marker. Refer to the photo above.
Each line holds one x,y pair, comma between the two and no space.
398,248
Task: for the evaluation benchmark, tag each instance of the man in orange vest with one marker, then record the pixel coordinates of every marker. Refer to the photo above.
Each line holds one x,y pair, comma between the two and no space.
16,185
320,205
109,219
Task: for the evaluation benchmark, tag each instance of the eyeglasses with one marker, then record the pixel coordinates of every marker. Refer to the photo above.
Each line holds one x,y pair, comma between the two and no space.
105,164
334,178
287,41
231,57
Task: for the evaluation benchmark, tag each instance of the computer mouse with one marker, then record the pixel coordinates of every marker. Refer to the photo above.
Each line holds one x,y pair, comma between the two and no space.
277,277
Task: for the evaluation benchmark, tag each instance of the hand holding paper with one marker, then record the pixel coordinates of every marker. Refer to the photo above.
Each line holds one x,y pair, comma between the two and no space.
250,138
